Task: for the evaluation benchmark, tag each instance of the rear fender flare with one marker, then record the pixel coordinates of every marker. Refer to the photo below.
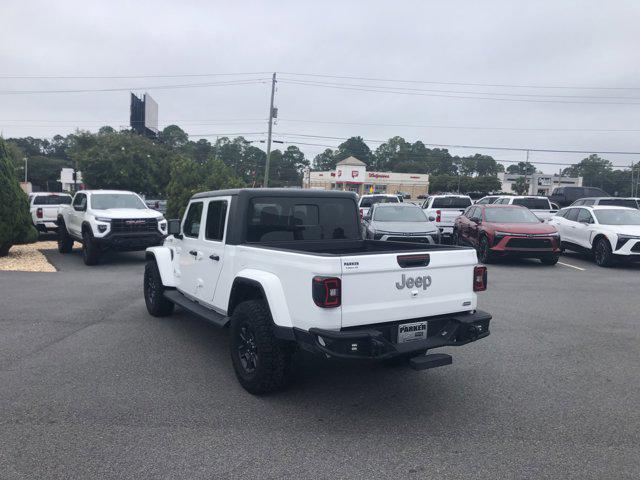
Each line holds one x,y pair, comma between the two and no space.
273,294
163,258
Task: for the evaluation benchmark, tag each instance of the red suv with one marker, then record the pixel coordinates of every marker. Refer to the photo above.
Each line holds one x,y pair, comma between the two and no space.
501,230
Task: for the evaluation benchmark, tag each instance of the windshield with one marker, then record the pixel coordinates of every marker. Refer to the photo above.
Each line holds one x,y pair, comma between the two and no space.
366,202
618,216
105,201
619,202
535,203
510,215
399,214
451,202
52,200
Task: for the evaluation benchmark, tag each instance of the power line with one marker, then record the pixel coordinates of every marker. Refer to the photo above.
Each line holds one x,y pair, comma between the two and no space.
519,149
466,97
532,95
121,89
89,77
433,82
461,127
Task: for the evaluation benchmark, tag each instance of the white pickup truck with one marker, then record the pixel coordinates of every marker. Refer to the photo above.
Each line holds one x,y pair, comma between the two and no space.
288,268
541,207
108,220
44,209
444,209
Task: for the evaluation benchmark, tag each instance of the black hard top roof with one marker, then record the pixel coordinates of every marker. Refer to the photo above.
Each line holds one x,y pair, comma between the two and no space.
275,192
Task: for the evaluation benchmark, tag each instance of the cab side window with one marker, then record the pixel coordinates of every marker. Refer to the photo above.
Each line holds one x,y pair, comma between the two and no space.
584,216
216,219
80,202
477,214
191,227
572,214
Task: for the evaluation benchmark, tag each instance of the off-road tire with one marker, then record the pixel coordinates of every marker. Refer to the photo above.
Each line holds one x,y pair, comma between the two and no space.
252,334
550,259
90,250
157,304
65,242
602,253
484,252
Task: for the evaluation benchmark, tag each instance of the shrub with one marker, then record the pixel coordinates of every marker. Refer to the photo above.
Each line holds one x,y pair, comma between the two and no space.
15,220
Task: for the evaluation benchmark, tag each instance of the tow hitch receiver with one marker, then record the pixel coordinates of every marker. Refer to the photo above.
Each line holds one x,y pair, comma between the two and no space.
433,360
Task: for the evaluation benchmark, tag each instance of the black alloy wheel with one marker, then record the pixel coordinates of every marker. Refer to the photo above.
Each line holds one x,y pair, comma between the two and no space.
484,252
603,254
247,348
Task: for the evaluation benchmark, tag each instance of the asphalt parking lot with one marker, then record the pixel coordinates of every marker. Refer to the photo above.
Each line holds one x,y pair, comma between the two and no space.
94,387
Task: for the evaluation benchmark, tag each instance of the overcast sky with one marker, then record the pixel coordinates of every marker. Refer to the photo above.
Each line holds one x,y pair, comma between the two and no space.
541,43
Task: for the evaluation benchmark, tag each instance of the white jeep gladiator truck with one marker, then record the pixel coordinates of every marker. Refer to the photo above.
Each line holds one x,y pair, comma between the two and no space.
108,220
288,269
445,209
44,209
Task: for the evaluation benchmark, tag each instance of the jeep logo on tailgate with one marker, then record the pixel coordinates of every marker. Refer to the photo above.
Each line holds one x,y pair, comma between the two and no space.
410,282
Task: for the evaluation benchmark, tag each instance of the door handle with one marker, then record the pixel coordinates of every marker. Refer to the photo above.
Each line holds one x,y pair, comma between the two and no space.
193,252
214,257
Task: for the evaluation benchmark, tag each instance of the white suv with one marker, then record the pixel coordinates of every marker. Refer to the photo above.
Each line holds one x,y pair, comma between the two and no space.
609,233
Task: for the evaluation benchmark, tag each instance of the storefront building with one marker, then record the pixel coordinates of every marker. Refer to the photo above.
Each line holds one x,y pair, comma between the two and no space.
351,174
538,183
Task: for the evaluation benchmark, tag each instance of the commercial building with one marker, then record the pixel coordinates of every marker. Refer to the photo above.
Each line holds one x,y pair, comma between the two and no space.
351,174
539,183
67,182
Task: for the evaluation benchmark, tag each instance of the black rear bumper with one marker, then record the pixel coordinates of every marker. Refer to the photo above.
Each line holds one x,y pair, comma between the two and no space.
129,241
379,341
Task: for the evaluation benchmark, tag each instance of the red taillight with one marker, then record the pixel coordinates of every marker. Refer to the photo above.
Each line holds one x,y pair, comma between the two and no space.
326,291
39,213
479,278
438,216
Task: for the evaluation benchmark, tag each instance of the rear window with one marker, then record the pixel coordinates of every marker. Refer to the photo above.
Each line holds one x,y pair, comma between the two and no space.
291,219
533,203
619,202
451,202
366,202
509,215
52,200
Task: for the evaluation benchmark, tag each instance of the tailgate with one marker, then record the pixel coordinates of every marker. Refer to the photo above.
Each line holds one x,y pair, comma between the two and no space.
50,212
376,289
448,216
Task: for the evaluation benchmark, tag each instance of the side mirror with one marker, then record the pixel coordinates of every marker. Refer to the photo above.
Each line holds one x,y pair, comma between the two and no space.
432,218
174,227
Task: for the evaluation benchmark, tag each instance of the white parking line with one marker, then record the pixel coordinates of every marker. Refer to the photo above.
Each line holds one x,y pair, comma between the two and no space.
572,266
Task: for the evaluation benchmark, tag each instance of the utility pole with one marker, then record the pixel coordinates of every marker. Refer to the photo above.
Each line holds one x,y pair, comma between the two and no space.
272,115
26,163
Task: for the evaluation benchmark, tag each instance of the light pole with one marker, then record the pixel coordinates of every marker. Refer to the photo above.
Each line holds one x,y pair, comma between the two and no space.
26,163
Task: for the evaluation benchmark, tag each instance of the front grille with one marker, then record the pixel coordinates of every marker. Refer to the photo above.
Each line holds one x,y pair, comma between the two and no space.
529,243
134,225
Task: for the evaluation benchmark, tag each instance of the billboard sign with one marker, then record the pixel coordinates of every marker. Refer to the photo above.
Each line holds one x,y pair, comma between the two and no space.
150,113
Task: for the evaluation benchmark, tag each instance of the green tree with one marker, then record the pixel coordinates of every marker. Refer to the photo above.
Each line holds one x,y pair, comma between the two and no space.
15,220
325,161
287,167
520,186
123,161
173,137
522,168
189,177
354,147
594,170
